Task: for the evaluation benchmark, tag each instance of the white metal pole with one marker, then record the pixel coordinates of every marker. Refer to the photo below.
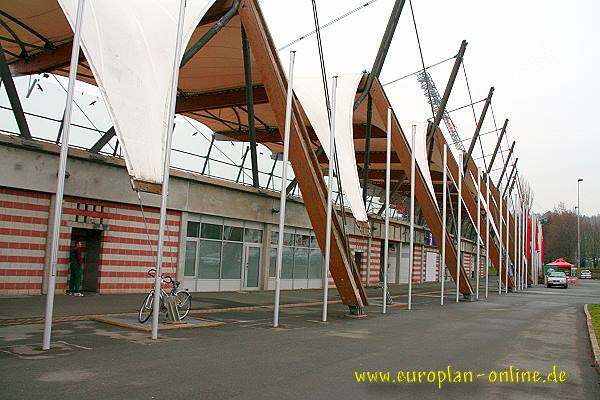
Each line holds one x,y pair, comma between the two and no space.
329,199
478,257
487,233
500,242
411,251
516,243
459,226
444,213
388,155
166,169
282,195
507,238
523,245
60,185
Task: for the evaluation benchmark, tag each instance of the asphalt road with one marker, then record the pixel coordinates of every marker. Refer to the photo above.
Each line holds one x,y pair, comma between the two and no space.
247,359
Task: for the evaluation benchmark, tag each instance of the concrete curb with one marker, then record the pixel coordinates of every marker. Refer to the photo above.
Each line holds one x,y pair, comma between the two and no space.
593,339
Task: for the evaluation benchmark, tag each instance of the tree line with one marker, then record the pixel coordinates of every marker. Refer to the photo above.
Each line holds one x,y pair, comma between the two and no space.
560,237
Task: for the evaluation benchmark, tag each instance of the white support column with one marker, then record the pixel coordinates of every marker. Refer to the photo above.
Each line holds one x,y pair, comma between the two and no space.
500,242
329,199
516,251
459,226
506,255
388,155
444,214
166,172
282,195
411,257
478,259
487,233
60,185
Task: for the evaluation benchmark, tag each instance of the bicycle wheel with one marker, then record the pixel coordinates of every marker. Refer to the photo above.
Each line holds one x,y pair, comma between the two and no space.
146,308
184,303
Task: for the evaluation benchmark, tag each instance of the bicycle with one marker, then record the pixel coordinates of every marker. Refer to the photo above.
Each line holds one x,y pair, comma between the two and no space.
184,299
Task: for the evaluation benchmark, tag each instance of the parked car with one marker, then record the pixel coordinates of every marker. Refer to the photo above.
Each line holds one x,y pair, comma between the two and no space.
558,279
585,274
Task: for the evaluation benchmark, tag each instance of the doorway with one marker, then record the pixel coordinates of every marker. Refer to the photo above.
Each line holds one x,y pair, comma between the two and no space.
251,267
90,247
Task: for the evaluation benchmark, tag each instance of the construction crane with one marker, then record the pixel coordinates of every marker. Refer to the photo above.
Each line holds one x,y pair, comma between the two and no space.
433,96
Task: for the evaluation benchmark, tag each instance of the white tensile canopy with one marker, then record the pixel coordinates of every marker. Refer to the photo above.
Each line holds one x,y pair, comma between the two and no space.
309,91
130,48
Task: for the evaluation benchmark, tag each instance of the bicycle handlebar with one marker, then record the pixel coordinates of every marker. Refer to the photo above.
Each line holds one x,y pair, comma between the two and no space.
165,278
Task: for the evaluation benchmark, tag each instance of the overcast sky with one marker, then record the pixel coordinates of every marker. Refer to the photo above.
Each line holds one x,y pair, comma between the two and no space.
541,56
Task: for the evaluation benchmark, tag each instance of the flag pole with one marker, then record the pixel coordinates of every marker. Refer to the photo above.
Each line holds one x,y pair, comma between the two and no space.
506,261
459,225
500,242
166,169
329,198
442,271
487,232
60,185
282,195
411,251
388,152
478,257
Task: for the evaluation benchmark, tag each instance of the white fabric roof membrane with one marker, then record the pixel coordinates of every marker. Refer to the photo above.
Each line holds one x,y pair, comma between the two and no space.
130,46
309,91
421,153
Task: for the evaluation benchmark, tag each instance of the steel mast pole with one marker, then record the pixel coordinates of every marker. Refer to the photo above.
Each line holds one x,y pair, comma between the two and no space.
329,199
60,185
500,241
478,235
411,252
459,225
507,261
388,153
283,194
444,212
166,169
487,233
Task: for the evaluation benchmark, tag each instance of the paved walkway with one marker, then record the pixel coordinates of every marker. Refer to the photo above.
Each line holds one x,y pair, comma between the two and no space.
29,309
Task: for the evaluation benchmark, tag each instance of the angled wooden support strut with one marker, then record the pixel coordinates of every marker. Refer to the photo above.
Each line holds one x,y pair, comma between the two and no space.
425,199
478,129
302,157
502,132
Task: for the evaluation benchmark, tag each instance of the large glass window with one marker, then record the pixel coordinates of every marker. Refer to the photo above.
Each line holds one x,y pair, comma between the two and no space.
232,261
273,263
193,229
287,263
253,236
211,231
190,258
301,263
233,233
209,259
315,264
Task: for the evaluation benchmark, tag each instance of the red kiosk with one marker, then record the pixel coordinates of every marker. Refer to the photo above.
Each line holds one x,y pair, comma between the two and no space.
562,265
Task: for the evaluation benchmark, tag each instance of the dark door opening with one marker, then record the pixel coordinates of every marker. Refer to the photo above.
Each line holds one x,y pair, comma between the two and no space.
90,244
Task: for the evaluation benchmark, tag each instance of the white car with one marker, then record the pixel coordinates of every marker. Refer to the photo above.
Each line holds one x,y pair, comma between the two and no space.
558,279
585,274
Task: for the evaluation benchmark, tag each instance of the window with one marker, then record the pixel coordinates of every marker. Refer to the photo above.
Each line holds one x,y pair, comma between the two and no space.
190,258
233,233
287,263
193,229
302,240
231,267
273,263
315,264
211,231
301,263
253,235
288,239
209,259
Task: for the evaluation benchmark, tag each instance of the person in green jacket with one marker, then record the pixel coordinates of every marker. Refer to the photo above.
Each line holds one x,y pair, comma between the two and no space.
76,267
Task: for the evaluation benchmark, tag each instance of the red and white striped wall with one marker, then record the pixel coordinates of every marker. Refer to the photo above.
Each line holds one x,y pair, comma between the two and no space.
23,236
127,249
